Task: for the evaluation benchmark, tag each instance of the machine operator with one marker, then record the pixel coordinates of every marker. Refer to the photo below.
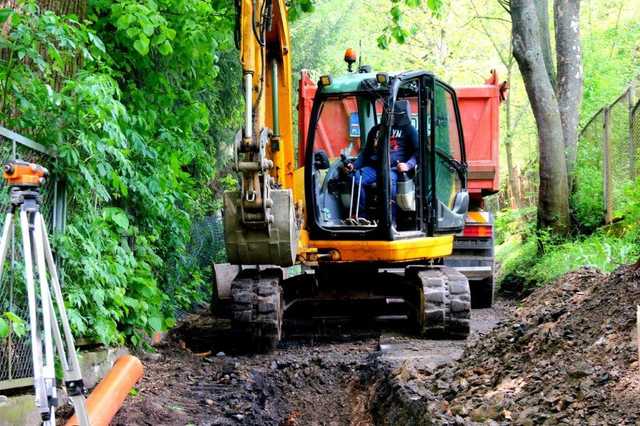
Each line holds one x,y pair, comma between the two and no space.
403,149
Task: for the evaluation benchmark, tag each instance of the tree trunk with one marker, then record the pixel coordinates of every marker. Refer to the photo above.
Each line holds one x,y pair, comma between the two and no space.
569,87
66,7
553,199
542,11
508,140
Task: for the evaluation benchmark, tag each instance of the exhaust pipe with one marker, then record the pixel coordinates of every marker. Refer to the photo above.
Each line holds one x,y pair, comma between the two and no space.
107,398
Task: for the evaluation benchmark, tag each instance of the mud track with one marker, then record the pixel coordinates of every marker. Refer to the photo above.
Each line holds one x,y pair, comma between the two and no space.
348,379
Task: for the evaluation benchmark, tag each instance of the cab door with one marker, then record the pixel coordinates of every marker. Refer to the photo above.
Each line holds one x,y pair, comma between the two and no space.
448,201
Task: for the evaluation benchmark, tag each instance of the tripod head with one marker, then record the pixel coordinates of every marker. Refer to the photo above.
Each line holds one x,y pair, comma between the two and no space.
24,180
21,174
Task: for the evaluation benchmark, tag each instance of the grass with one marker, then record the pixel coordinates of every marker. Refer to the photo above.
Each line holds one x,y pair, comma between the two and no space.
532,260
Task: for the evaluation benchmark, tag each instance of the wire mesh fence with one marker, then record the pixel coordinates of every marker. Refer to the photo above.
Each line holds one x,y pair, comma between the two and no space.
606,163
15,351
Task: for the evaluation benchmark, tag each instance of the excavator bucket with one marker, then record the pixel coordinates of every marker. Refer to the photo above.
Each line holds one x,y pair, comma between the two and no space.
273,245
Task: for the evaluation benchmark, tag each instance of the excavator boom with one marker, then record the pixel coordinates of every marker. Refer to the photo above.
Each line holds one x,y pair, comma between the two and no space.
261,224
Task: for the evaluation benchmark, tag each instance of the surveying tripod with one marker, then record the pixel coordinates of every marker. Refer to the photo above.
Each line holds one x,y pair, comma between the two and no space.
24,181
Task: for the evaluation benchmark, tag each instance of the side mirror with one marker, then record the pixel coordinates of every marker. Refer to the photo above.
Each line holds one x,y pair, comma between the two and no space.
461,203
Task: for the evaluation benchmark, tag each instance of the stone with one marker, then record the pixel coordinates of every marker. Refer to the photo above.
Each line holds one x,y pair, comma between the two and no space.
579,370
151,356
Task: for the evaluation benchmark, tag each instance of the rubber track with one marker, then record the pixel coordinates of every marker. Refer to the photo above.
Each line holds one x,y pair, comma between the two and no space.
447,303
257,312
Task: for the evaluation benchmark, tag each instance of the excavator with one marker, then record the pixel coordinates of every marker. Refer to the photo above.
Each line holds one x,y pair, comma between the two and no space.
367,217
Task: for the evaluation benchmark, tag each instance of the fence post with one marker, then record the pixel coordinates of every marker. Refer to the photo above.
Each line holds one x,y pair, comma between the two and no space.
632,144
606,147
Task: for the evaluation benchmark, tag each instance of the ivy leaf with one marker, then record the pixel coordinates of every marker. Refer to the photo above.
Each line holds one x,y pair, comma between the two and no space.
133,32
170,33
142,45
124,21
121,219
148,29
4,328
165,48
17,324
117,216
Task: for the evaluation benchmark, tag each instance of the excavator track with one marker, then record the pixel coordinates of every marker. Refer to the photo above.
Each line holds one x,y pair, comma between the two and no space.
447,303
257,311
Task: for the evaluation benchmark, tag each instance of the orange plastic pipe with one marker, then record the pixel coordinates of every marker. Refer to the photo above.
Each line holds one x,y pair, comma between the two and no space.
107,398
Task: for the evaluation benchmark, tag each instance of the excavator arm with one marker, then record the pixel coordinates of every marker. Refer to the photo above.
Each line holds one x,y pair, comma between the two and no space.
261,224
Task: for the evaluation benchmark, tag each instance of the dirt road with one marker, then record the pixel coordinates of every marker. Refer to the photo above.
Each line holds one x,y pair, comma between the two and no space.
194,379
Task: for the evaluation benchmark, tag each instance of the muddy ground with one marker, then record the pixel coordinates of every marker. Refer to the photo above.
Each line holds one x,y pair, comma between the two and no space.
196,379
567,354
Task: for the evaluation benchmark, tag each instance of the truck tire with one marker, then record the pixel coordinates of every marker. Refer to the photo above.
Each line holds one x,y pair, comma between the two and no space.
483,293
257,311
447,303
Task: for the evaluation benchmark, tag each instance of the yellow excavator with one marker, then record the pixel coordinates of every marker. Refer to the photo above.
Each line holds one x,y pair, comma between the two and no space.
368,214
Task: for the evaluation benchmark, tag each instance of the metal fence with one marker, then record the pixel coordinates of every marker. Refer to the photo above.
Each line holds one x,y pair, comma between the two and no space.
15,352
607,161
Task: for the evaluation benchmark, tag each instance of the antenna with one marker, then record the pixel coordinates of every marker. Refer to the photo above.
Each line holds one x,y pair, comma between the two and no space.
360,58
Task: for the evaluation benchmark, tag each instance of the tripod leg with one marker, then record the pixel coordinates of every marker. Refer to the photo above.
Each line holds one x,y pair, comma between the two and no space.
6,239
49,371
36,345
72,373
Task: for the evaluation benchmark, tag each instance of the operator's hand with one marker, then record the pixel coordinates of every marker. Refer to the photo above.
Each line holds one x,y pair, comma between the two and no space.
348,167
402,167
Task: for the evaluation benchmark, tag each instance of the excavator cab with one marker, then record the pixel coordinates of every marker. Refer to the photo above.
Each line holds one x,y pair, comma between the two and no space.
358,136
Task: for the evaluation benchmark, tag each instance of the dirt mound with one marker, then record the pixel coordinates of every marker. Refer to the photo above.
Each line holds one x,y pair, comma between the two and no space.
567,356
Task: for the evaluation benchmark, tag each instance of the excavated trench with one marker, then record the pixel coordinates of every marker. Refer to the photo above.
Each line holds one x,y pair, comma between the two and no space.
356,377
566,355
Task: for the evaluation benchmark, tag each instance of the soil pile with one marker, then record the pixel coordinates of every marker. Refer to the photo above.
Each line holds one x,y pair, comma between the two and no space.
568,355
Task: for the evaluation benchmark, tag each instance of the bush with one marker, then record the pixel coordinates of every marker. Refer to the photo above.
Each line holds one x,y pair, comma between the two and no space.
136,106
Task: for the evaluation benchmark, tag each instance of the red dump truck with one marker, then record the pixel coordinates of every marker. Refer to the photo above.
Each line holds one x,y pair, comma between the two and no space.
479,106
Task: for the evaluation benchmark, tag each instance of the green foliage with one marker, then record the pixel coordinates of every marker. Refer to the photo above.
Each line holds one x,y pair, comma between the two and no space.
299,7
610,63
137,124
10,322
396,29
513,223
532,259
587,199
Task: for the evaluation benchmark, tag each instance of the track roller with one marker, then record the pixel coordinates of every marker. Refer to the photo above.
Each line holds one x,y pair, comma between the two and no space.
446,304
257,310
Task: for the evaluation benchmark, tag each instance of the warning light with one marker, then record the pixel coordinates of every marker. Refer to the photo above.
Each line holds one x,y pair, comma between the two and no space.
350,57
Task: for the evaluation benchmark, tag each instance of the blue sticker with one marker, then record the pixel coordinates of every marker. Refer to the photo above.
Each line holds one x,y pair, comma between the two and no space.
354,125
